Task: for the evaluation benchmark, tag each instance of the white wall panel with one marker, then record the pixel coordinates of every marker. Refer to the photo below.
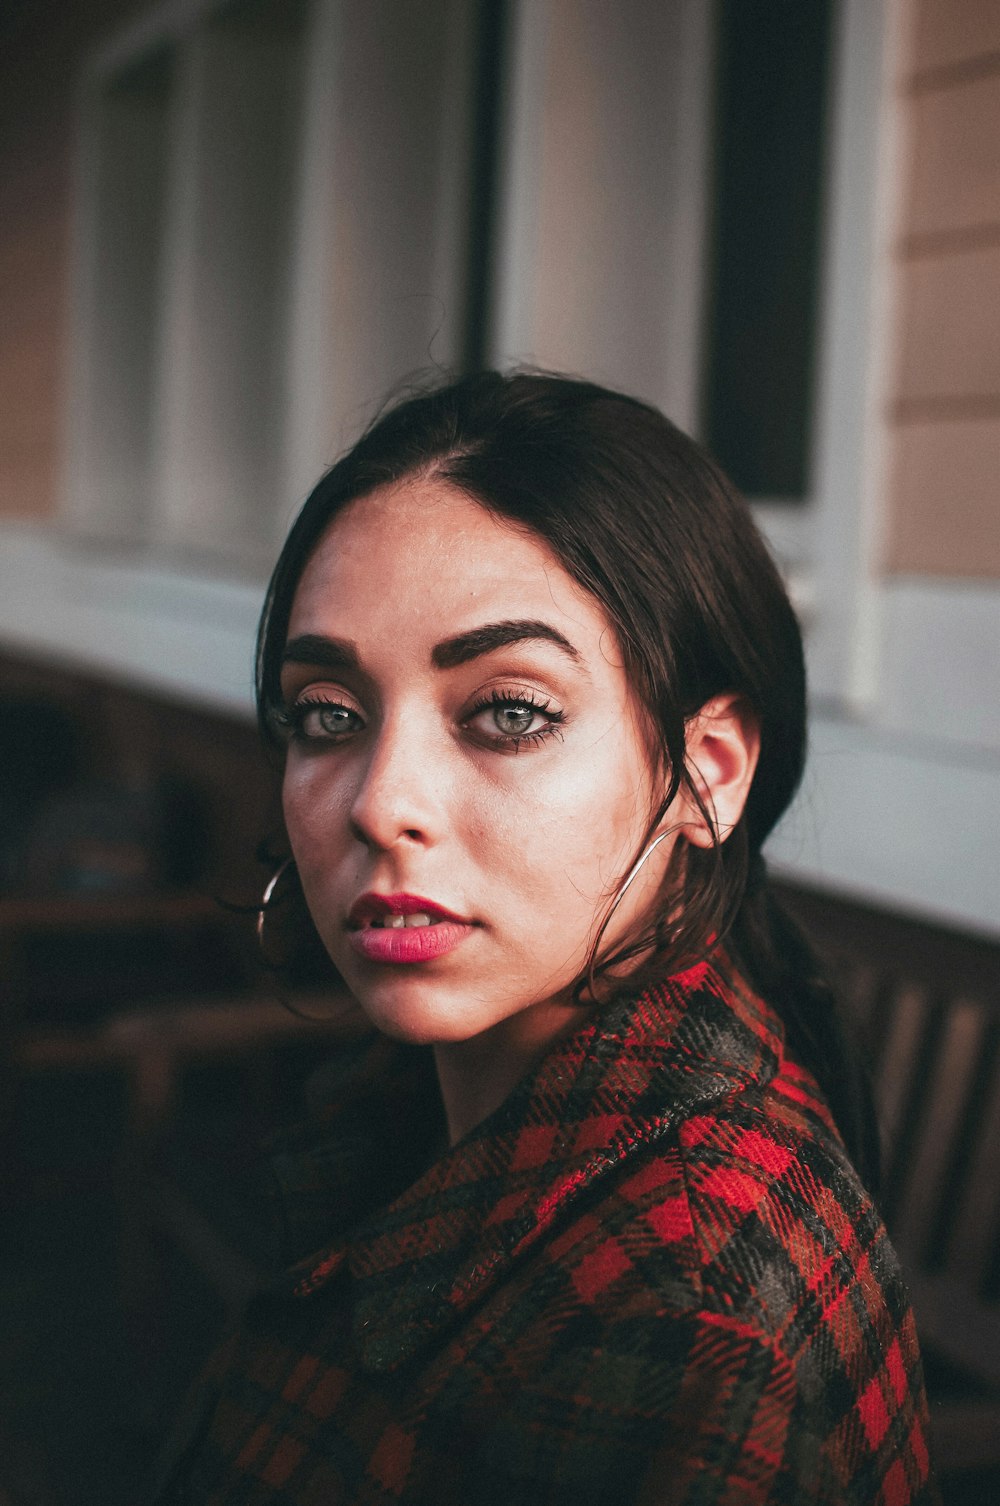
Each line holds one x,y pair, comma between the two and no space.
221,378
912,826
605,173
379,287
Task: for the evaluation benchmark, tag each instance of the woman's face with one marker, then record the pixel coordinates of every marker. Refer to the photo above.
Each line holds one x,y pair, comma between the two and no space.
465,750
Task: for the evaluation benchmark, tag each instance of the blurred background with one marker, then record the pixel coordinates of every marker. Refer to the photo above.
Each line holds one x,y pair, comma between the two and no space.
226,231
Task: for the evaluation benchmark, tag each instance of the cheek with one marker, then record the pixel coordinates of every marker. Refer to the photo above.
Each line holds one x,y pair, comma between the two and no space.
603,797
314,808
565,838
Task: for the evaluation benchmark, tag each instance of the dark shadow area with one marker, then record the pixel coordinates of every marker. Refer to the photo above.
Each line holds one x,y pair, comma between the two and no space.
110,1311
924,1002
144,1058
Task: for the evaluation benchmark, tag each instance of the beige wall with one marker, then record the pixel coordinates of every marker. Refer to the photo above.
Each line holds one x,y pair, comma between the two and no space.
944,513
40,47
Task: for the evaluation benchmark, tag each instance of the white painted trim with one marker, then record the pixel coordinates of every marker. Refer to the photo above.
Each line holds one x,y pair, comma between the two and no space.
915,829
183,636
940,662
855,345
903,808
311,383
789,529
224,369
519,173
114,318
77,398
177,276
604,178
393,257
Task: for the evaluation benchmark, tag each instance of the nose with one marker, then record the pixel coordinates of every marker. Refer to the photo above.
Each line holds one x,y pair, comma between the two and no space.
400,797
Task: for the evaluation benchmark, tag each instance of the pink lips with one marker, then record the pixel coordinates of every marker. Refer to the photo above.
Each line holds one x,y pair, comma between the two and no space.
405,943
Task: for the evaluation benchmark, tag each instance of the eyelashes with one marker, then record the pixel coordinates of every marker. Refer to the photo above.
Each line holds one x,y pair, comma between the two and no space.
516,706
322,720
506,720
317,719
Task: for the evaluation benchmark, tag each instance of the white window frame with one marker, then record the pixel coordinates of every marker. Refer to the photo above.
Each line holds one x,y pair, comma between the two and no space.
822,541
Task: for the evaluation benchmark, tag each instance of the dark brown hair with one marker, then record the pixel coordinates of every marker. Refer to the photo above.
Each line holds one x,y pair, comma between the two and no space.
643,520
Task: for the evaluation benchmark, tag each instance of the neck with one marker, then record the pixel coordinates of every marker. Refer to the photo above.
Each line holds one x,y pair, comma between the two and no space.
478,1074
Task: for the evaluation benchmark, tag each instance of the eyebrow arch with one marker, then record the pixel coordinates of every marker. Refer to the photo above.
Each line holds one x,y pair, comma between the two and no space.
340,653
312,648
494,635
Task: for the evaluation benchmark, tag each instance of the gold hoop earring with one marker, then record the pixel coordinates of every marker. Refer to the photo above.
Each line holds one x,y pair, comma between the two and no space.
637,865
266,900
629,879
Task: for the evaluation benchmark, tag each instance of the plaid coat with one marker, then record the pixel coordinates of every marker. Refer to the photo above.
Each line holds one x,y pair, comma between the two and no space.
652,1276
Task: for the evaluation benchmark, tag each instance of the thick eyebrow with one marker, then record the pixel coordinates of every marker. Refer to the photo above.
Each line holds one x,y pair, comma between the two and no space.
312,648
340,653
494,635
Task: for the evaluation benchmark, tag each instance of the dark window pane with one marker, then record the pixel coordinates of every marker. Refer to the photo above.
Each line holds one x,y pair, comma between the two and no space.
771,87
490,66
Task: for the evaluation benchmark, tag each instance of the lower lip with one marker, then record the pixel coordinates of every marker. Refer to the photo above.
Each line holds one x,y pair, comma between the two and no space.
408,943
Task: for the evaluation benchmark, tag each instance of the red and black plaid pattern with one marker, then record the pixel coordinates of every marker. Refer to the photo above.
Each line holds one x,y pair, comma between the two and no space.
651,1277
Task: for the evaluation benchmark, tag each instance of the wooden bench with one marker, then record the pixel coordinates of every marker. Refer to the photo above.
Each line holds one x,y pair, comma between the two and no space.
927,1003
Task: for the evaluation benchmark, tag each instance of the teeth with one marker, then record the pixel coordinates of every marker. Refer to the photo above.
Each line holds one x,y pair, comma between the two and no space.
397,922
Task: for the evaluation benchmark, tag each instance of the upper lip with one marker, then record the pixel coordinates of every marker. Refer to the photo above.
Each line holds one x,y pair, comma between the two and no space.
373,906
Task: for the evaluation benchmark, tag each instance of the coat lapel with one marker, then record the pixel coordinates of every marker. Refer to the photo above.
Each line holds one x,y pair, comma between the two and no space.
616,1085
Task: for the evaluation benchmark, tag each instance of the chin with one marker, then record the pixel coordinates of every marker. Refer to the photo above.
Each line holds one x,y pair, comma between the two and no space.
421,1015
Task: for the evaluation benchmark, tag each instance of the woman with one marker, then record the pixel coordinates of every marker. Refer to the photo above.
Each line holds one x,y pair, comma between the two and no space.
539,695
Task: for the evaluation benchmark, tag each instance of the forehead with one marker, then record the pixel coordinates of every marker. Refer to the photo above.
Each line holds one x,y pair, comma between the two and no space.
422,558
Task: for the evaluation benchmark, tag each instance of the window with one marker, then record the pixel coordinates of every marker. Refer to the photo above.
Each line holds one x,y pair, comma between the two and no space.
273,226
764,241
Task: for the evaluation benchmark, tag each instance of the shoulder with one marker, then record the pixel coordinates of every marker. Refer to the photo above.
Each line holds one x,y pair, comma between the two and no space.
739,1284
779,1216
750,1210
732,1193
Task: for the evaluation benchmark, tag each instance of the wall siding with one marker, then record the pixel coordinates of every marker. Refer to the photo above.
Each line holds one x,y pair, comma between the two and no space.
951,33
950,335
945,471
944,406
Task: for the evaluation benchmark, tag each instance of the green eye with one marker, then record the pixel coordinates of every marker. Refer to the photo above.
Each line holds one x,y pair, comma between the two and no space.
335,719
509,721
319,721
514,720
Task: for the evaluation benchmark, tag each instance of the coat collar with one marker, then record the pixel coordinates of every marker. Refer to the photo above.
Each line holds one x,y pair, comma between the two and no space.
616,1084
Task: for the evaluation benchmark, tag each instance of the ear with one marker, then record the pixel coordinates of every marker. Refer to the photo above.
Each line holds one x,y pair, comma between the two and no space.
723,743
